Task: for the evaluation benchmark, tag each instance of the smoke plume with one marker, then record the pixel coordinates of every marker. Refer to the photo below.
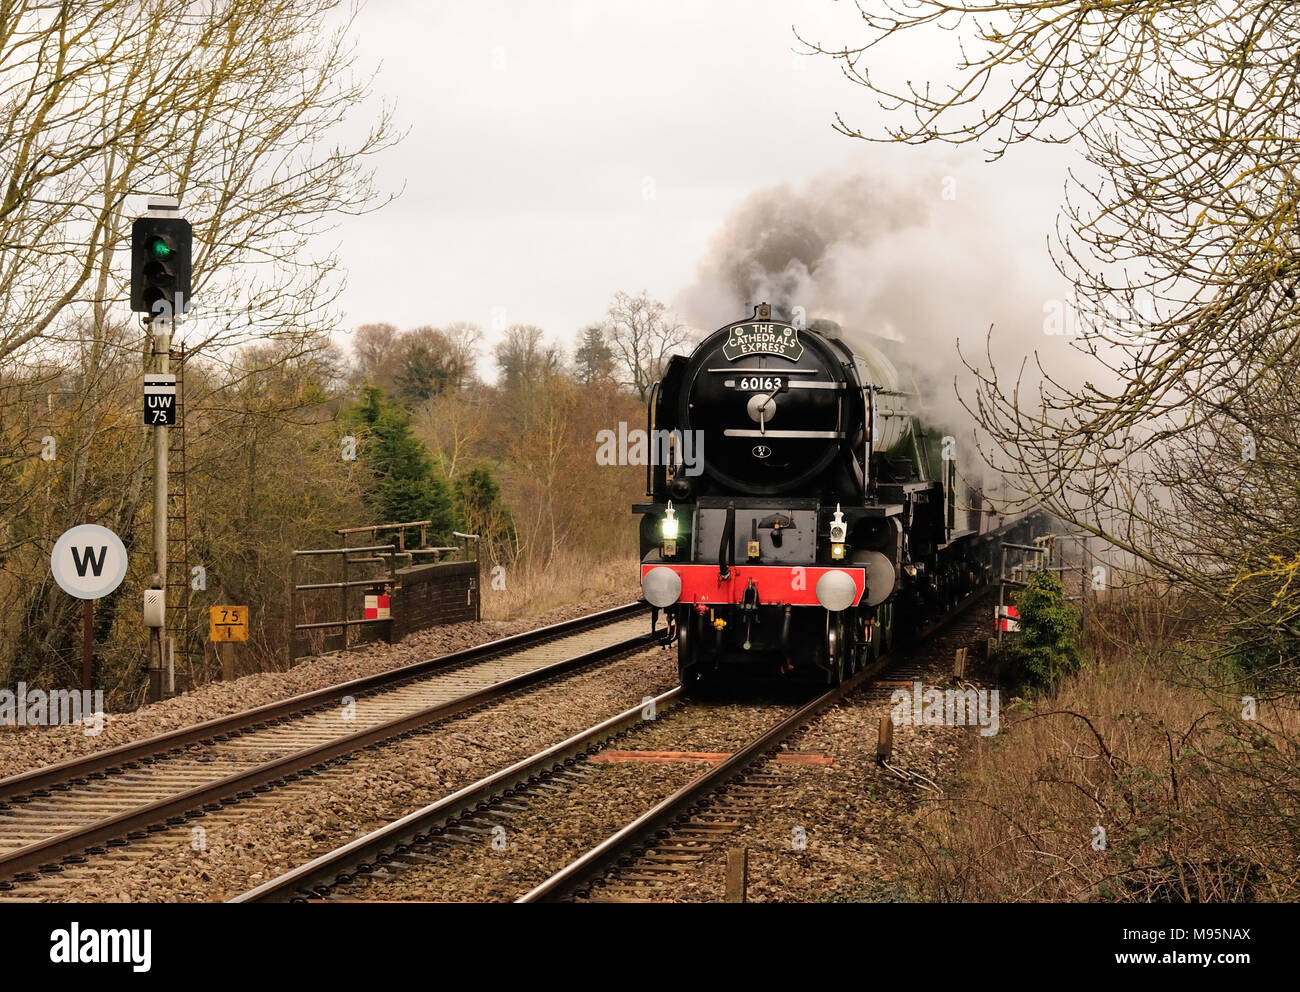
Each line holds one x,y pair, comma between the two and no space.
908,266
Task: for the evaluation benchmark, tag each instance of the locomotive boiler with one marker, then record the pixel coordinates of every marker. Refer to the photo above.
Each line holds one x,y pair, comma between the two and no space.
816,518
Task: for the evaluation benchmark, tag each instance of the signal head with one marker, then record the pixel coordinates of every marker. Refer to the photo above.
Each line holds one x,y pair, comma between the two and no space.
160,265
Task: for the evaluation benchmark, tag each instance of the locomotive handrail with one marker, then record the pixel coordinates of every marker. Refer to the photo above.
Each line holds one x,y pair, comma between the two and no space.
650,433
869,441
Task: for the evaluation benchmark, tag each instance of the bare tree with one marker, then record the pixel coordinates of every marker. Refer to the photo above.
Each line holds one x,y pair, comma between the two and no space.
524,359
375,347
464,339
642,334
234,109
1181,243
454,425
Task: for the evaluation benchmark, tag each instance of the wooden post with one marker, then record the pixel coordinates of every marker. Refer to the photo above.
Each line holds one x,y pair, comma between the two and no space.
87,643
885,739
959,663
227,661
737,874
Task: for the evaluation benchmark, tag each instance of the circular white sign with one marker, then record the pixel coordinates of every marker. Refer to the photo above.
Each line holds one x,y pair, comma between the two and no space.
88,561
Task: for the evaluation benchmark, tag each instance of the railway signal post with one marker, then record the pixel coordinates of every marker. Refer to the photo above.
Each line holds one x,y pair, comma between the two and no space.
161,244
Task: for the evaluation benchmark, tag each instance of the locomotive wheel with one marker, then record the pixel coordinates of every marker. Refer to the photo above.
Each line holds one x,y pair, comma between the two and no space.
836,648
856,649
689,667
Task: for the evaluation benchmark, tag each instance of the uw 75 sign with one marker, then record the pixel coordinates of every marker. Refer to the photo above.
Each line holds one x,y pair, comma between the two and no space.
159,399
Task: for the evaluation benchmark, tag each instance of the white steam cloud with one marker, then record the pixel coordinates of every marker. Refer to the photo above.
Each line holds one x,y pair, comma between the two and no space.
911,264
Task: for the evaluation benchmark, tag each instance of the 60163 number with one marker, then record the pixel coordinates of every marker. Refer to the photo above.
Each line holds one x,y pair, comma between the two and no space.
763,383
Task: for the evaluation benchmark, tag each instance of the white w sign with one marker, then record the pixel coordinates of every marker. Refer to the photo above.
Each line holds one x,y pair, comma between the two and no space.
88,561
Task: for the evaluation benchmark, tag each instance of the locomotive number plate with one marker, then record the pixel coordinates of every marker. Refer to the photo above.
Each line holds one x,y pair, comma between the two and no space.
760,383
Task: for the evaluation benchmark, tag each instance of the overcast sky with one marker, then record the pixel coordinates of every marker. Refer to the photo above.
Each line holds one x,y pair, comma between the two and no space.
561,150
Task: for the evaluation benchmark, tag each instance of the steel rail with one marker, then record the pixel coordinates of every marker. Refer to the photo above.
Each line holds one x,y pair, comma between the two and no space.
598,859
382,845
313,879
175,741
44,854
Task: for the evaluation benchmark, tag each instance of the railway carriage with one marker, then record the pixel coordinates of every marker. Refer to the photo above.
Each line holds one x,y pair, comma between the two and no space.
800,515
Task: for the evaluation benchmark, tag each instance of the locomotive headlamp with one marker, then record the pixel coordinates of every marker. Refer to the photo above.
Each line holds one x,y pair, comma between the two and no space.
839,534
669,530
669,526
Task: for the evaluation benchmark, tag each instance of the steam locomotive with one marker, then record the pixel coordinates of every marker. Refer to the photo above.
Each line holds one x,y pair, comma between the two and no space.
801,517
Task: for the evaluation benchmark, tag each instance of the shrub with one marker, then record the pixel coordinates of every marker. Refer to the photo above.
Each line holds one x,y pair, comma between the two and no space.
1047,648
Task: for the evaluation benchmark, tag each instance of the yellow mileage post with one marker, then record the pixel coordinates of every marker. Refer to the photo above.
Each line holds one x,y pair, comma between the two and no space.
227,624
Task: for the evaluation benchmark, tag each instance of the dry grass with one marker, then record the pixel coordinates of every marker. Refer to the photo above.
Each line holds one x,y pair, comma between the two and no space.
569,578
1197,804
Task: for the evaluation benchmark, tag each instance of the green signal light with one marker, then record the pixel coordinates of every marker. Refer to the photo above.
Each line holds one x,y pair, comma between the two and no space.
159,248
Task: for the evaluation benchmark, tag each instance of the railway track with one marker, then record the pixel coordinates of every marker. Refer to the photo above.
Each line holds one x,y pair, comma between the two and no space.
64,814
470,821
667,858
